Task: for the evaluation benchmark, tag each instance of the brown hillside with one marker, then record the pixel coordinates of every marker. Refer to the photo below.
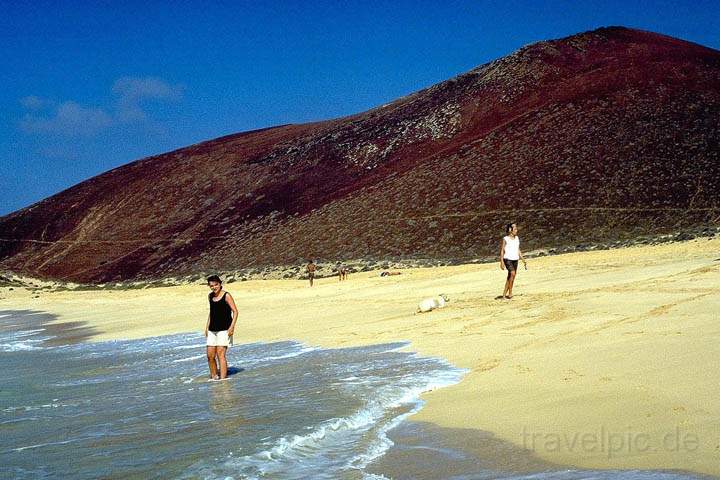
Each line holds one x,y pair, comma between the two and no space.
604,135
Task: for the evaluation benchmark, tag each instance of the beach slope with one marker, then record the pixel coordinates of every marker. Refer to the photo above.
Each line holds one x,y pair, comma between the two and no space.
603,359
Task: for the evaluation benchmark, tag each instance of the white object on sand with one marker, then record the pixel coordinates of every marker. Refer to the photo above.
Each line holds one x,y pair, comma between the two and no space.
432,303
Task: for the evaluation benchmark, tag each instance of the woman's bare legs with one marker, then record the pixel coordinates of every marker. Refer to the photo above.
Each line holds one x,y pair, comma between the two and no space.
507,292
222,360
211,353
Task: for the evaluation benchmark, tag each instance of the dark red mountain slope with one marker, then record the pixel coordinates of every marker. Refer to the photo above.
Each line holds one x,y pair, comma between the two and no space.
604,135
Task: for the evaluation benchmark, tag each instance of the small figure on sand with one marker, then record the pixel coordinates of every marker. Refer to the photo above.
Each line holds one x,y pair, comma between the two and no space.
342,272
385,273
219,328
509,255
310,268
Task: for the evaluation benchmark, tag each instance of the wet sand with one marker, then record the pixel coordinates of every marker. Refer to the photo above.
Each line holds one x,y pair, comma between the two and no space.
603,359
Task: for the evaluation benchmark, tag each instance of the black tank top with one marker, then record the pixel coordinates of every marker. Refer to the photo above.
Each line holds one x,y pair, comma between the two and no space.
220,314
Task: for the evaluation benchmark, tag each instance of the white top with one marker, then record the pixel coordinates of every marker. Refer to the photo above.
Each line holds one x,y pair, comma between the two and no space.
512,248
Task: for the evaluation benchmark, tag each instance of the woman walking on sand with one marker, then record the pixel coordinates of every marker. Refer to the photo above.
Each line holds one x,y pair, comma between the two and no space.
219,328
509,255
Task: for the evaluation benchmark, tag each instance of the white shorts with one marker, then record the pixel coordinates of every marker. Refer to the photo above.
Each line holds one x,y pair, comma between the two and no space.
218,339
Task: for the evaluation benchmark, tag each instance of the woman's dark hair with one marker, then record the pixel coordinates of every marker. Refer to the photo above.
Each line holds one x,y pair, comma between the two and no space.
214,278
508,227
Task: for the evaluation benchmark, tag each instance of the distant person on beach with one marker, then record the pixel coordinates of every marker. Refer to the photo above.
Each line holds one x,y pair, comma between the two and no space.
219,328
310,268
342,272
509,255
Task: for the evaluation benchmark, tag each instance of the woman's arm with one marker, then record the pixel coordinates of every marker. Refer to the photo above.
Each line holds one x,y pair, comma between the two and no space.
207,325
521,255
231,302
502,254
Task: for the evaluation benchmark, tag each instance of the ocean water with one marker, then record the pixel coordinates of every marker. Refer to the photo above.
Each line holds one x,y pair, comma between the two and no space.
144,409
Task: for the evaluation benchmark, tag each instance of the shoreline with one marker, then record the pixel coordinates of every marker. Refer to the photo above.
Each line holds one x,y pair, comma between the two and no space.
598,341
355,266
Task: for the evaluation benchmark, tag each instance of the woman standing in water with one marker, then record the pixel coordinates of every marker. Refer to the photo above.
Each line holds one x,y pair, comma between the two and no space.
219,328
509,255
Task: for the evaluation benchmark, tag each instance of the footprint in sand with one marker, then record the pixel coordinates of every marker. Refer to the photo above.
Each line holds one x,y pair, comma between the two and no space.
487,365
469,331
635,332
522,369
572,375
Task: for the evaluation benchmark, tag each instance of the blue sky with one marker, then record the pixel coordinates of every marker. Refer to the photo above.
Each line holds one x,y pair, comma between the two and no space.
88,86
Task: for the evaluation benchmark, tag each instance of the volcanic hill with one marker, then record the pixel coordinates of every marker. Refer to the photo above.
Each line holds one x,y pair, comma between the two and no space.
601,136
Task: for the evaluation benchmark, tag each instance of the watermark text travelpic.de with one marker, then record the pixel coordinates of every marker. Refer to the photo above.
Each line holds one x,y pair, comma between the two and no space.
610,443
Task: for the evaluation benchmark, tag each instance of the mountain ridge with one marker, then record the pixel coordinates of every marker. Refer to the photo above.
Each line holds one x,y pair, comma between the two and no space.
576,123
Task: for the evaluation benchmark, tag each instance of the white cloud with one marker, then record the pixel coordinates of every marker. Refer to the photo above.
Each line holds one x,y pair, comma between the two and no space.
132,91
32,102
146,87
69,119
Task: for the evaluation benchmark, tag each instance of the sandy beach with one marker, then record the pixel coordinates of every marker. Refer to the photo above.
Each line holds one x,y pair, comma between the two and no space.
603,359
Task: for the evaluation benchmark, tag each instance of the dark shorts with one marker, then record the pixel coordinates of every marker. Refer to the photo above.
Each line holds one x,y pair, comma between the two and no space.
511,265
311,274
